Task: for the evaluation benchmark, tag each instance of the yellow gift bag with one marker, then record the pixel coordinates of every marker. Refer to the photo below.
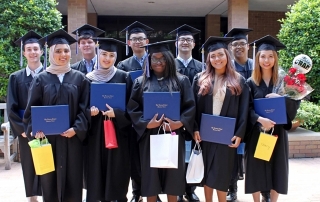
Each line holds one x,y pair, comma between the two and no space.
265,146
42,156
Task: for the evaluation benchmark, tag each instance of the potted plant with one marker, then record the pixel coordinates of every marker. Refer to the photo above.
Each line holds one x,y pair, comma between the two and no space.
308,116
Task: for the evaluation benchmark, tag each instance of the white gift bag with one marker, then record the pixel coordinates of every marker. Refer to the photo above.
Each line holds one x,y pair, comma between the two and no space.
164,150
195,170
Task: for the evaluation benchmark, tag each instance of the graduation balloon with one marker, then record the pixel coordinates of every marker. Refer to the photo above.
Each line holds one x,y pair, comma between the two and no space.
302,63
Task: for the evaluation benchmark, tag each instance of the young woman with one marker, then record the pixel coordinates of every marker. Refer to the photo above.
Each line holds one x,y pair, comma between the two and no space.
162,77
220,90
108,169
267,175
60,85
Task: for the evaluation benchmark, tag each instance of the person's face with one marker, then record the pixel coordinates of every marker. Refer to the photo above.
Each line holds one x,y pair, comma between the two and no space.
107,59
266,59
136,41
218,59
185,43
62,54
32,52
240,48
87,46
158,63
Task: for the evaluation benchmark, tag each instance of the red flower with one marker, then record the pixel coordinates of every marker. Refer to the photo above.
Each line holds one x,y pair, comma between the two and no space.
290,81
286,78
301,77
300,89
292,70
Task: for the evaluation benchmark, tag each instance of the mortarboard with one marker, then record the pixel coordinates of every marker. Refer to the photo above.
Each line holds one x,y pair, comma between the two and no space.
136,27
58,37
107,44
182,31
214,43
239,33
87,30
29,37
156,47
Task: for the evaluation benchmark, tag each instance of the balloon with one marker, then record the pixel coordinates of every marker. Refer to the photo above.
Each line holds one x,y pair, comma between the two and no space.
302,63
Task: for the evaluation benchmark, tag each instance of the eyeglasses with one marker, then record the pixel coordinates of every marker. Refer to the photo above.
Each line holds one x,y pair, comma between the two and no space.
185,40
241,45
155,60
137,39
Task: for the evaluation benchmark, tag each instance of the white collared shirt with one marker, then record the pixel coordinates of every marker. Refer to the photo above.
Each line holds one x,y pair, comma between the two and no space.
36,71
184,62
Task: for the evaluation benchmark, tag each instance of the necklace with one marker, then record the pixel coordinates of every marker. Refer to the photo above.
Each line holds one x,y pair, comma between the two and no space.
160,79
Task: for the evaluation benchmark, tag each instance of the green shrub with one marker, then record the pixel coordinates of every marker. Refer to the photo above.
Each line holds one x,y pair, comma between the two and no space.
309,116
300,32
17,18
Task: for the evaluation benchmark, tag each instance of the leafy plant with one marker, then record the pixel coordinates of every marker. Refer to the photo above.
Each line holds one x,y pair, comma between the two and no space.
300,32
309,116
17,18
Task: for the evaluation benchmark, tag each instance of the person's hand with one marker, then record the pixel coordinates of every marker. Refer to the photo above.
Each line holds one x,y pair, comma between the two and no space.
94,111
39,134
174,125
236,140
271,95
23,135
154,123
266,123
196,136
110,112
69,133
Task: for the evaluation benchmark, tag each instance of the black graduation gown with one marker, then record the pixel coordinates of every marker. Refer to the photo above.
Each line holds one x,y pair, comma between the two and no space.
17,97
65,183
80,66
191,70
218,158
263,175
109,169
155,180
129,64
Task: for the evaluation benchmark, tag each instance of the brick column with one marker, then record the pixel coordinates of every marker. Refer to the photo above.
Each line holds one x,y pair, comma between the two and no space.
93,19
238,13
77,16
212,25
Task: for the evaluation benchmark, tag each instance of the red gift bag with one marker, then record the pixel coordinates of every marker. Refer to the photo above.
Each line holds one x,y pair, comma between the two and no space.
110,137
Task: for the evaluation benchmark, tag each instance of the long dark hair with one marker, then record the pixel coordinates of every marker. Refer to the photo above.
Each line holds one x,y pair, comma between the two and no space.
170,72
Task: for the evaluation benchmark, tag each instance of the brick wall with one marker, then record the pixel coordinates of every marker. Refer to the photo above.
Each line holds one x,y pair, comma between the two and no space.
305,148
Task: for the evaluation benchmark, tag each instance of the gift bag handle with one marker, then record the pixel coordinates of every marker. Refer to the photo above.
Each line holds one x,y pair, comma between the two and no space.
264,131
197,145
164,128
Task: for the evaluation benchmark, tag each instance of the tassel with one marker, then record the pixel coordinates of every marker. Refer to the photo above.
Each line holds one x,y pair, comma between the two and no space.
127,47
147,64
21,58
98,53
45,55
202,59
177,44
254,54
77,43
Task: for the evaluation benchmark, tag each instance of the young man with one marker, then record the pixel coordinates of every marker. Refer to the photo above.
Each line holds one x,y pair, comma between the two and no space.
17,95
188,66
244,65
87,47
136,33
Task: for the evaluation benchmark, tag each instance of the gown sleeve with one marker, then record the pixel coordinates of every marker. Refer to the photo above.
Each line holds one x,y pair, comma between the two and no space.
195,90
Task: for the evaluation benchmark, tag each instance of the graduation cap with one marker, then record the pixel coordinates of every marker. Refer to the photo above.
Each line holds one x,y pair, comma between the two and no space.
214,43
136,27
28,38
156,47
239,33
58,37
182,31
107,44
87,30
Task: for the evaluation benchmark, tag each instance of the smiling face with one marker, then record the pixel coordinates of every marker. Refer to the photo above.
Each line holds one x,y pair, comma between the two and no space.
62,54
240,49
185,43
218,59
158,63
136,41
107,59
87,47
266,59
32,52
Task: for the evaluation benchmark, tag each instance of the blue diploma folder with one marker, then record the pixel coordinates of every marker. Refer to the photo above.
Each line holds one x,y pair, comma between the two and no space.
167,103
51,120
272,108
113,94
135,74
217,129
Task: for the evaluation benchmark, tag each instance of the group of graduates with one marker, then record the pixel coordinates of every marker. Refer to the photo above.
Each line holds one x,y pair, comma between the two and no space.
225,86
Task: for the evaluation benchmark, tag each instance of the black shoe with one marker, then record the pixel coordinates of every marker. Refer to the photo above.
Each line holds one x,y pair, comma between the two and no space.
265,197
232,196
158,199
180,199
136,198
192,197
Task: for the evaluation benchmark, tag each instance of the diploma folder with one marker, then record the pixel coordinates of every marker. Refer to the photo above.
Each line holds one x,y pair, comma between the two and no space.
167,103
272,108
217,129
135,74
113,94
51,120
